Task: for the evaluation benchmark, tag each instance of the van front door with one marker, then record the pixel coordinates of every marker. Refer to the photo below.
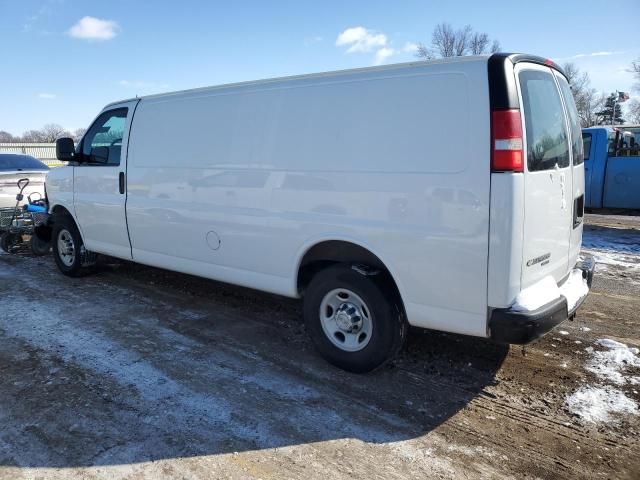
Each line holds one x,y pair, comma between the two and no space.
100,183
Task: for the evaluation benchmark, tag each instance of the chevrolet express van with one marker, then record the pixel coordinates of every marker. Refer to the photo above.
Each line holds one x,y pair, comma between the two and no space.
445,195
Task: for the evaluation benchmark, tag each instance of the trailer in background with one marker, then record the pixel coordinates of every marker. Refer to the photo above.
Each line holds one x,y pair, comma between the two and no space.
612,166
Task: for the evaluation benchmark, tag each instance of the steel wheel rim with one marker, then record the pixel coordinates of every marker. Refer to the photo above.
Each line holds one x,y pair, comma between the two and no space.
346,320
66,248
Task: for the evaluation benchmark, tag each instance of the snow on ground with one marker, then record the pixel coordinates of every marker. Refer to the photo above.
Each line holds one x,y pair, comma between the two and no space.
612,247
600,404
613,363
605,404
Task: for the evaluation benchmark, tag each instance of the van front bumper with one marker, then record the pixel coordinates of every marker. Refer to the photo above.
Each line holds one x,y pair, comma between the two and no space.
512,326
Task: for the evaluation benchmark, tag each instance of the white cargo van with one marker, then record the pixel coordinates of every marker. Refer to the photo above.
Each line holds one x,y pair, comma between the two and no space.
445,195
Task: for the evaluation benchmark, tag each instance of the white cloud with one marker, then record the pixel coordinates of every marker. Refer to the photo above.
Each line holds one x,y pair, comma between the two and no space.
597,54
91,28
47,96
360,39
592,54
311,40
410,47
382,55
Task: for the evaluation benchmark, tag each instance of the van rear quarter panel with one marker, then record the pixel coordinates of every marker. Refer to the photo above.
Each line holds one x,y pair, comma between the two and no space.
394,159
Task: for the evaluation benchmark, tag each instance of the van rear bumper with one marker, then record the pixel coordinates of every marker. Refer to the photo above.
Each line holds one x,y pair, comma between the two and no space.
512,326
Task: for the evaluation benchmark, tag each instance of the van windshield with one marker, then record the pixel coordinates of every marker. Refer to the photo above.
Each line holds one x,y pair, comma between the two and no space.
547,139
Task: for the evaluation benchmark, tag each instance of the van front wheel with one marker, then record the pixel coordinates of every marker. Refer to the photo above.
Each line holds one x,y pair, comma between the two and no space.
68,248
353,319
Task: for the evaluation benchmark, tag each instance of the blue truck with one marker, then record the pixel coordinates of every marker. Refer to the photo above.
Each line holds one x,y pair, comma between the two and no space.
612,167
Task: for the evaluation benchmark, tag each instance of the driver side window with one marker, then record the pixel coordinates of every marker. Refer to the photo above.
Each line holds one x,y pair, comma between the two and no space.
102,144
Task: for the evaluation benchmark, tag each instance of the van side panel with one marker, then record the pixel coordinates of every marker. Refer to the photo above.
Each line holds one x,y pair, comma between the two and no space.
236,183
505,238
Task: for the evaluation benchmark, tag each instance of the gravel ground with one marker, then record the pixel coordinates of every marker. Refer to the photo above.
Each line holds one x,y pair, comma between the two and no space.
135,372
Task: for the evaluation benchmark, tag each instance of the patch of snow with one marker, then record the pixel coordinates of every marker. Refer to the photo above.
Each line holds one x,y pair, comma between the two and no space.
585,329
600,404
537,295
611,259
612,248
610,364
574,289
563,332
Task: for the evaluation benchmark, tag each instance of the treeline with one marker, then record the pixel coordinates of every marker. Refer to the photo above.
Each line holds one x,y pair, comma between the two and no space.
594,108
600,108
47,134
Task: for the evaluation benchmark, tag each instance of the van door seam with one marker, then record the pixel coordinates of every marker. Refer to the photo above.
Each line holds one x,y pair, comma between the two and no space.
126,179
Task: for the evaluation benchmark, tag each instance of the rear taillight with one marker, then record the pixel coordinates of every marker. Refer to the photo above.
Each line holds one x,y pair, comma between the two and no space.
506,141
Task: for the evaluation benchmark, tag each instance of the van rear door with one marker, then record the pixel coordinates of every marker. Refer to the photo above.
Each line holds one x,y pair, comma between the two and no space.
577,169
548,176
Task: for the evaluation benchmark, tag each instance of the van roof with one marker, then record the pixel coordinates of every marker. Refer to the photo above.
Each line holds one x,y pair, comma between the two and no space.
496,58
332,73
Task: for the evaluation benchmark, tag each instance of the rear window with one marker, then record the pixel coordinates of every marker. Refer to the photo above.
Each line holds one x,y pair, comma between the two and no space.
547,144
20,162
574,121
586,145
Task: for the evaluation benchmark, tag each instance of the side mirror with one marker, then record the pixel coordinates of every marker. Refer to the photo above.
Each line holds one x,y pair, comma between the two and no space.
65,150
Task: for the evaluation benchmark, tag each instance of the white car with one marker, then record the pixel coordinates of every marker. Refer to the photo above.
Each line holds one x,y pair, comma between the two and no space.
444,195
14,167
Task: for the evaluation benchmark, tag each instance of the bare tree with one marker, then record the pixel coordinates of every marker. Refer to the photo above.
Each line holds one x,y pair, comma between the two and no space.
78,133
6,137
443,40
52,131
424,52
588,101
478,43
462,41
635,69
32,136
447,42
633,112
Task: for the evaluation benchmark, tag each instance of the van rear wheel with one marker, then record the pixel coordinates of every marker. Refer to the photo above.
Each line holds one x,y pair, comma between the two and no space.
354,321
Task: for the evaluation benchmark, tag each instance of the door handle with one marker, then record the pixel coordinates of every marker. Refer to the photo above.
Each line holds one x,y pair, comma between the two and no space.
121,182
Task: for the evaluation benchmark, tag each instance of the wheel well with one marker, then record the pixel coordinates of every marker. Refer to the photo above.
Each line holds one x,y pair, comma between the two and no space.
60,210
325,254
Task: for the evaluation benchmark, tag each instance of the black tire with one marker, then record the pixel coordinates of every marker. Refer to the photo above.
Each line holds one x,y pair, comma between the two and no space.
389,327
65,227
39,247
8,241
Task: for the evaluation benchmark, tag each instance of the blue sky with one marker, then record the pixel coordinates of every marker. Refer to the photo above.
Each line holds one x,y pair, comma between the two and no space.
62,60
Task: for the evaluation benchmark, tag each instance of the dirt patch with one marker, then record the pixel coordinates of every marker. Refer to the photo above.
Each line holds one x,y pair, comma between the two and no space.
135,372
